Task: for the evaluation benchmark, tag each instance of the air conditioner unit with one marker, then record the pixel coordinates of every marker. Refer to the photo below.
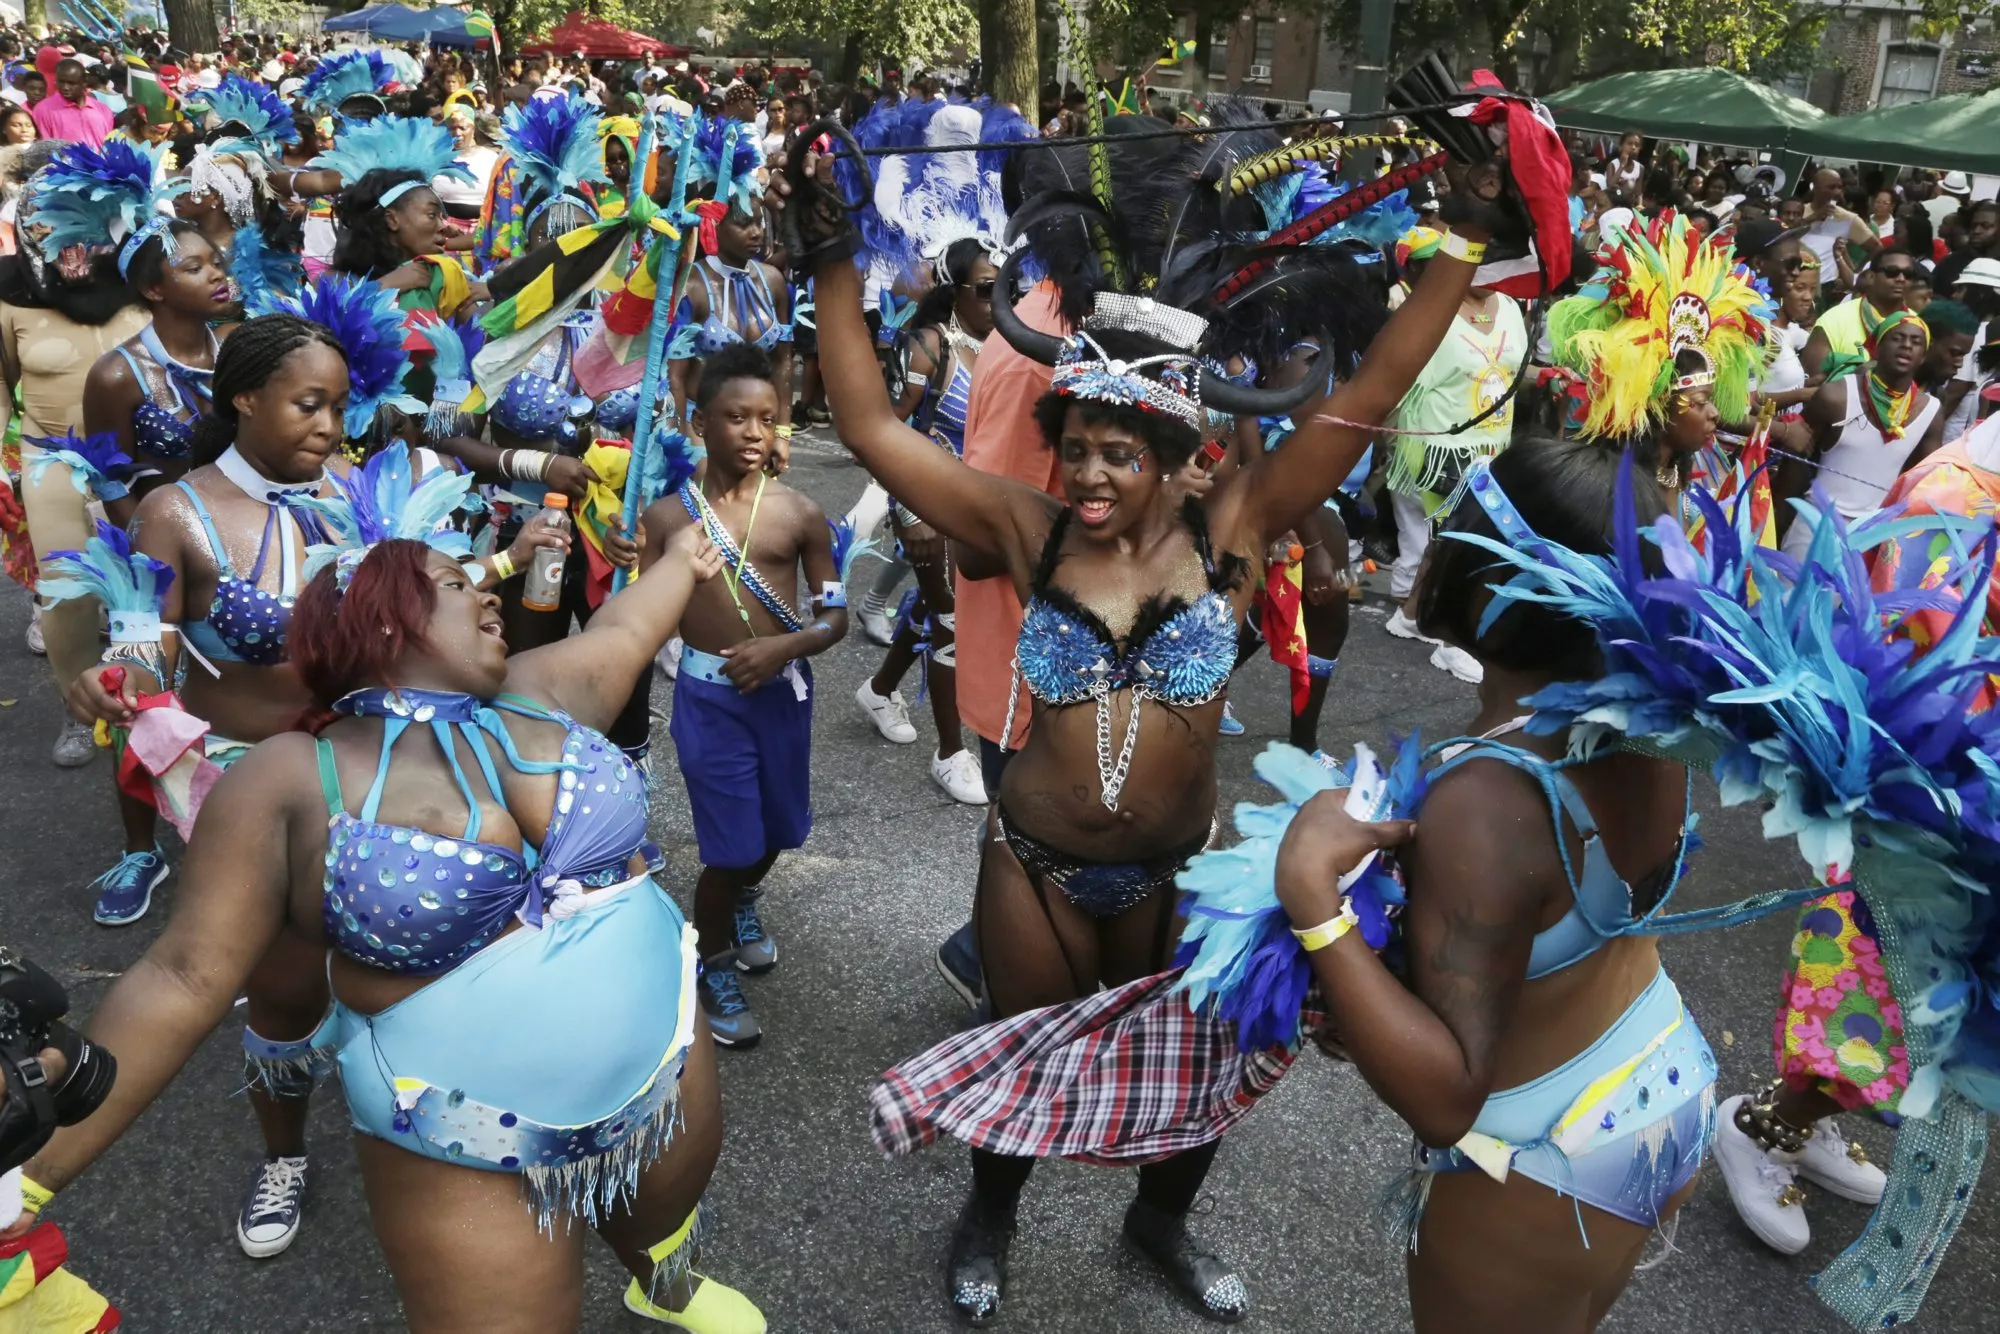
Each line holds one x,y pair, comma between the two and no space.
1259,74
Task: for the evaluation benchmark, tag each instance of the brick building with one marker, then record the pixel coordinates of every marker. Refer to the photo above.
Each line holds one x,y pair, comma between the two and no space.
1267,55
1870,56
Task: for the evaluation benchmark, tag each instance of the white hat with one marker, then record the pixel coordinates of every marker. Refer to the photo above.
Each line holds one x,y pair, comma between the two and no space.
1955,183
1596,178
1616,219
1980,273
290,86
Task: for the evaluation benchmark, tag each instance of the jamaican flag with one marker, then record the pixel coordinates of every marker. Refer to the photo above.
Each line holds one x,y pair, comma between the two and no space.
478,23
1176,53
533,294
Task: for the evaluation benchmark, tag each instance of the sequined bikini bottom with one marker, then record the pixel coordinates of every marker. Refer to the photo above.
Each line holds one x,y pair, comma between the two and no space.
1102,889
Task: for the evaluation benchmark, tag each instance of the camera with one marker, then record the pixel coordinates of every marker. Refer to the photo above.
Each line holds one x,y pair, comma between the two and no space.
32,1005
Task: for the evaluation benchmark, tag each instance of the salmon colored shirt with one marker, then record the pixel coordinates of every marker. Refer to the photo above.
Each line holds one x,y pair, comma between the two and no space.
1001,438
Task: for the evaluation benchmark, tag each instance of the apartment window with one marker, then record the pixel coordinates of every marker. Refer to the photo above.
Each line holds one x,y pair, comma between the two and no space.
1909,75
1264,44
1218,53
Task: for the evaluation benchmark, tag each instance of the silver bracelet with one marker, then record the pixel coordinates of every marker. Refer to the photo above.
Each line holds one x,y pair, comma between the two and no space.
525,465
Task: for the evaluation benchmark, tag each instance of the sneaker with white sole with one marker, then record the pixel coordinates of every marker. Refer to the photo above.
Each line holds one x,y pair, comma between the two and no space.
958,774
730,1022
270,1218
125,892
36,645
888,712
1763,1186
1403,627
756,952
877,625
1834,1163
1230,725
75,746
1451,658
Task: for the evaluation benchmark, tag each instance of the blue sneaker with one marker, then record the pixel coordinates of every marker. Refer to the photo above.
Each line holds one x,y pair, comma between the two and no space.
1230,727
756,952
126,890
729,1017
958,965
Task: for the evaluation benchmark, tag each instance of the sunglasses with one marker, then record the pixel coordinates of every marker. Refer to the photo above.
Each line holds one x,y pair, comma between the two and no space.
1898,272
1792,265
984,291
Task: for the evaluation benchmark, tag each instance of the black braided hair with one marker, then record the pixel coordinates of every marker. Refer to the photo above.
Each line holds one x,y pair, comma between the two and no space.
366,249
149,262
248,359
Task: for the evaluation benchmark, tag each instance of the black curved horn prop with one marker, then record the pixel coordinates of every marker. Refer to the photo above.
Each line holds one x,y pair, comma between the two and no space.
1225,395
1028,342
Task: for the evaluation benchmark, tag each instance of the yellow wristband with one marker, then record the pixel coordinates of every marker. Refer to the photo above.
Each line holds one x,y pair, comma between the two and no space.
35,1197
1457,247
502,566
1319,937
785,431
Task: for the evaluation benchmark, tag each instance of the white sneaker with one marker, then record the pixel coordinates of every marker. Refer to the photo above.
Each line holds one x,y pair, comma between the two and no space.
670,658
1450,658
1403,627
877,625
1831,1162
889,714
35,644
1762,1186
960,777
75,747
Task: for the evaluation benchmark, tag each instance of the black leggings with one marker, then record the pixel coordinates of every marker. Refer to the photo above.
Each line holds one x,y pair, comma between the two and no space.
1169,1185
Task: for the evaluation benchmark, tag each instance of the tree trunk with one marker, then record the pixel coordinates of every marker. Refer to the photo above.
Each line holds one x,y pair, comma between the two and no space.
191,25
850,56
1012,63
35,14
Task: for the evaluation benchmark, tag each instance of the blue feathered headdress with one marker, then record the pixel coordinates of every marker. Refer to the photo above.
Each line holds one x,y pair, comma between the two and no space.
453,345
381,500
88,196
240,101
263,275
726,157
924,202
413,144
131,586
554,144
355,74
364,319
97,466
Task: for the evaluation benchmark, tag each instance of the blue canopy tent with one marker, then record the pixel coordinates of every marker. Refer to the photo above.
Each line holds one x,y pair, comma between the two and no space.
399,23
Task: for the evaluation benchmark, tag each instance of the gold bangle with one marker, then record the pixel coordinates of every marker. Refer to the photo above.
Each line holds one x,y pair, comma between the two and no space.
1457,247
503,566
1319,937
35,1197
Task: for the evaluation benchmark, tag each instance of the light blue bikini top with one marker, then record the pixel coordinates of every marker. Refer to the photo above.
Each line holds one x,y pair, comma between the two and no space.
735,295
407,901
163,428
1178,652
246,623
1603,905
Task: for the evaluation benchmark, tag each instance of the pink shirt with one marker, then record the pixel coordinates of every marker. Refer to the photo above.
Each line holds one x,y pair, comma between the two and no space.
56,117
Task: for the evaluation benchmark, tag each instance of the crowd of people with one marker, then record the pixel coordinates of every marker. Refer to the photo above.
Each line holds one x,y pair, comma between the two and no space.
381,423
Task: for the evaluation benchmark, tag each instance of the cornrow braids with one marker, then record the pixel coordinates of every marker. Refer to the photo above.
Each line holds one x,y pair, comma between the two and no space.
366,249
248,359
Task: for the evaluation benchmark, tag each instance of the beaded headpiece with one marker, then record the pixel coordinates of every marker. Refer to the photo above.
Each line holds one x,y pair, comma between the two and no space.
1084,370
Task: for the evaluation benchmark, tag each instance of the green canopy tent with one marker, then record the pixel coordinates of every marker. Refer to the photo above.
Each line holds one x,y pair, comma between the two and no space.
1710,105
1956,133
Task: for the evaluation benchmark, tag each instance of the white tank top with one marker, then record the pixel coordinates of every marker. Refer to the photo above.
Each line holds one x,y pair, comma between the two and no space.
1858,469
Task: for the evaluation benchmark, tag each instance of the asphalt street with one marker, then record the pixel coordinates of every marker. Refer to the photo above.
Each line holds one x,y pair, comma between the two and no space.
814,1224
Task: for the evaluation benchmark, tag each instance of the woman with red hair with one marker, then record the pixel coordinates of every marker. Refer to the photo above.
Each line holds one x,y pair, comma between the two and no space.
514,1009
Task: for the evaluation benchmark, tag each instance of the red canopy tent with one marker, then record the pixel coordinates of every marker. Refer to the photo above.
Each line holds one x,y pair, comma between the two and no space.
581,34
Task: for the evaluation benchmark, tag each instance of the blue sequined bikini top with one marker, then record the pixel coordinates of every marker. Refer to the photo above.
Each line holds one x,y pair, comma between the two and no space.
246,623
537,401
161,427
407,901
1178,652
736,295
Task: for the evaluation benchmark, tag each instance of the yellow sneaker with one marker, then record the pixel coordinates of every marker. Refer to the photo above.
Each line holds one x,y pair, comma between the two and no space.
714,1309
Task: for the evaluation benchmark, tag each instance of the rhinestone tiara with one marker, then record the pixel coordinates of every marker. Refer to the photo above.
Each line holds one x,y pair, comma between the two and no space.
1143,315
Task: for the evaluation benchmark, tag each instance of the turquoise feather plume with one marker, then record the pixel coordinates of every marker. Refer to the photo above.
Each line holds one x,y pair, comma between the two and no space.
131,585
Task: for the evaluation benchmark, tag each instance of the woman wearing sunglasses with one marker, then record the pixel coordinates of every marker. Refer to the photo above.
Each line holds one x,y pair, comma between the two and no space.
937,354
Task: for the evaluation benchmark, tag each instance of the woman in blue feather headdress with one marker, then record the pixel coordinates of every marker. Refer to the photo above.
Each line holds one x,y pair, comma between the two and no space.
1545,1061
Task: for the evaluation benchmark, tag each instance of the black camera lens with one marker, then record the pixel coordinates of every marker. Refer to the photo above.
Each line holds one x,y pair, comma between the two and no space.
87,1081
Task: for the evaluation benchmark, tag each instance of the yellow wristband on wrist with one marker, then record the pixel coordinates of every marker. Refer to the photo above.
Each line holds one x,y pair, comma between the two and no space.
502,565
1319,937
35,1197
1457,247
785,431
